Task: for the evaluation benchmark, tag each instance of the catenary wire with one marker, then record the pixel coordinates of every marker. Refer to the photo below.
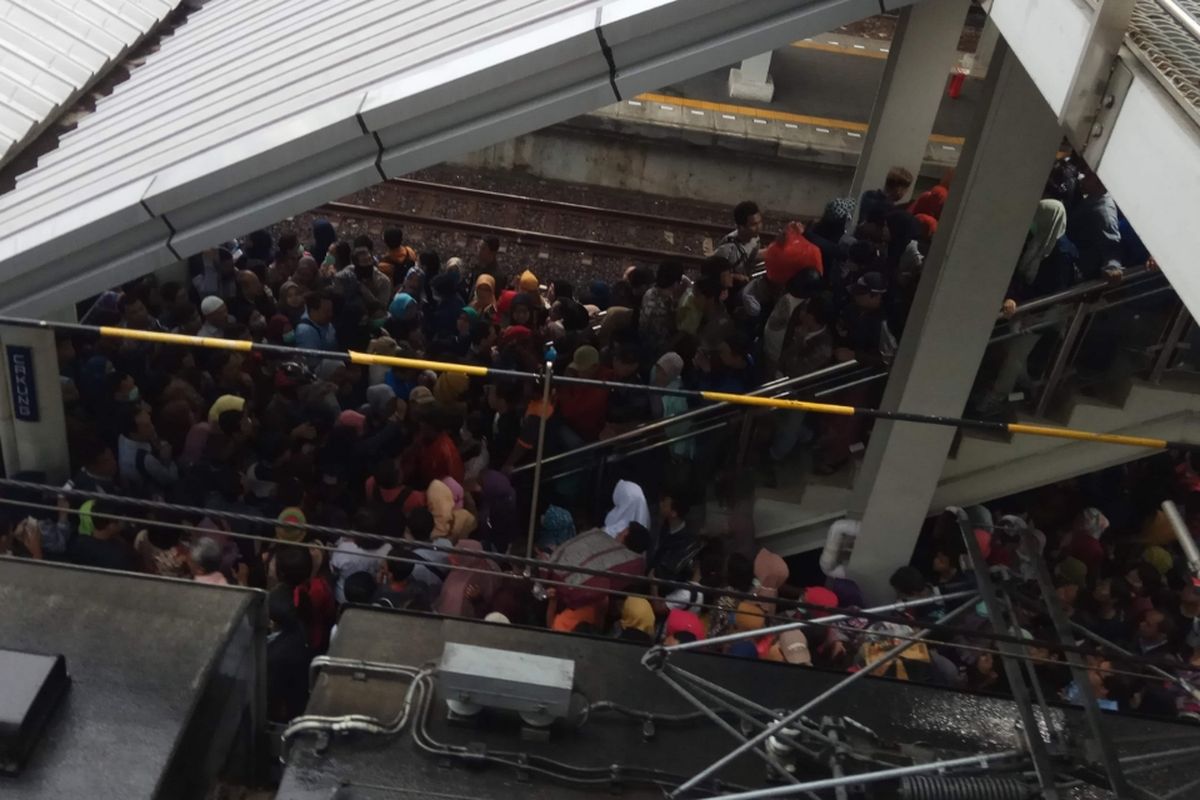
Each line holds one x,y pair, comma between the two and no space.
612,592
410,545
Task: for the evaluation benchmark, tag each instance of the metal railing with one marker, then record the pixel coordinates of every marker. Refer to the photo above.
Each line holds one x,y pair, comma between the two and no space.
1137,301
778,388
1071,310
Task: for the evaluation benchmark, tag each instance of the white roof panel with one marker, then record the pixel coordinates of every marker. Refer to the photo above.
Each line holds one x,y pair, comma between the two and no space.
52,51
257,109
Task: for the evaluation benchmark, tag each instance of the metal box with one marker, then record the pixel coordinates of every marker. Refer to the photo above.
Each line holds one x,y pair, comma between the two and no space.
492,678
31,687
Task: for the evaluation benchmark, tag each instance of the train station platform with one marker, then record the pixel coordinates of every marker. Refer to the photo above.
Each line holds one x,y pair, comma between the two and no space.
825,87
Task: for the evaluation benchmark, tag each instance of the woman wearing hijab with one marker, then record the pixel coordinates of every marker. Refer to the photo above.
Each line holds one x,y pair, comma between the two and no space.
1046,266
484,298
667,372
450,391
637,621
770,573
468,594
1048,226
440,502
521,312
450,520
558,526
629,505
403,306
291,302
499,521
381,404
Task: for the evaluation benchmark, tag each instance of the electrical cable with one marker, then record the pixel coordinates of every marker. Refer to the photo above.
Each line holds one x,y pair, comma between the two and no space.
873,616
645,716
406,544
412,545
543,765
417,706
356,723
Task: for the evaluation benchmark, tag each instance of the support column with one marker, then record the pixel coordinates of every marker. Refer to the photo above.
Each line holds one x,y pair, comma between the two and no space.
999,180
982,57
922,53
752,80
33,431
1110,22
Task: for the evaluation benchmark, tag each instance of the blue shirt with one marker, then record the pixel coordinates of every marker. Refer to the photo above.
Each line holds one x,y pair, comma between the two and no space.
312,336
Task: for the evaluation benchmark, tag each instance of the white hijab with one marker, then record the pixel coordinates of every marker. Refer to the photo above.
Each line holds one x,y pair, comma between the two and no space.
629,505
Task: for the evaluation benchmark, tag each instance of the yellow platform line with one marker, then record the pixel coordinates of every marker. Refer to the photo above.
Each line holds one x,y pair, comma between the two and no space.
841,49
778,116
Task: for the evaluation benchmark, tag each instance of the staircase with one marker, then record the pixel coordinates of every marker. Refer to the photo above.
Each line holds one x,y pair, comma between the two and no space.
1141,394
794,517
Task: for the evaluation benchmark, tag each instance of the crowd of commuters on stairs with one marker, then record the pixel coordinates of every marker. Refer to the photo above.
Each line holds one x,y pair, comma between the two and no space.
419,469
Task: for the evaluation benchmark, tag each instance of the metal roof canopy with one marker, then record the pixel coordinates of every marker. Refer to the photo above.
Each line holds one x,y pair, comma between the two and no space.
52,51
258,109
162,672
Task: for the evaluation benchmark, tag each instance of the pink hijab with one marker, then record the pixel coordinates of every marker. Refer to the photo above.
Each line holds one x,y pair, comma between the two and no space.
456,491
772,572
453,599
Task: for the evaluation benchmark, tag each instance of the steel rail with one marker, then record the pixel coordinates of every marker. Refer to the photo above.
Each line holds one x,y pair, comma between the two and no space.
1185,20
516,234
430,187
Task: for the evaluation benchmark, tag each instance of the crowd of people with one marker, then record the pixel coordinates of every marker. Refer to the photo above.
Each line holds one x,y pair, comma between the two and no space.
419,469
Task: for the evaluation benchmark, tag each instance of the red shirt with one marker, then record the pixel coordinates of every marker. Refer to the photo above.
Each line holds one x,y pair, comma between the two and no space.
584,409
1087,550
322,608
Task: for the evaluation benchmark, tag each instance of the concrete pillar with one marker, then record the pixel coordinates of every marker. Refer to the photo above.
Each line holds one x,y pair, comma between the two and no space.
33,432
999,180
922,53
752,80
982,56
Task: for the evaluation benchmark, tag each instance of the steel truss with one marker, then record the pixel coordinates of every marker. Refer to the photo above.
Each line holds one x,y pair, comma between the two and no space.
1055,760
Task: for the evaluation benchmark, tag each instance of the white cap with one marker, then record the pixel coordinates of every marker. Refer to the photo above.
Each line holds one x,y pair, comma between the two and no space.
211,304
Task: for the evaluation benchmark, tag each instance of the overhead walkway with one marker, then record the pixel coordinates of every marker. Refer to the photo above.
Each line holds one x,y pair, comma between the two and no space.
211,138
1124,78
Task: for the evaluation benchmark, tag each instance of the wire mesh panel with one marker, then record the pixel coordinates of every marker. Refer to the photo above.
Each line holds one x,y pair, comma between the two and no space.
1168,46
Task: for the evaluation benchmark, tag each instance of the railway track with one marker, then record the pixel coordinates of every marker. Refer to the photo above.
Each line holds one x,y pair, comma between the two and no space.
528,221
516,236
706,227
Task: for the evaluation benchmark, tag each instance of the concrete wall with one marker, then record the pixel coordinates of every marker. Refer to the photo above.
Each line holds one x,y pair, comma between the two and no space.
669,167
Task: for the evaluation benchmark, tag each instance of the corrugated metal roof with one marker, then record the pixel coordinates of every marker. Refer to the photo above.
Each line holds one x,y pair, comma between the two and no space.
51,51
257,109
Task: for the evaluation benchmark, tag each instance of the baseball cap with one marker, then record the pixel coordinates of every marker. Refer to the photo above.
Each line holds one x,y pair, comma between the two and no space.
287,521
870,283
585,359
